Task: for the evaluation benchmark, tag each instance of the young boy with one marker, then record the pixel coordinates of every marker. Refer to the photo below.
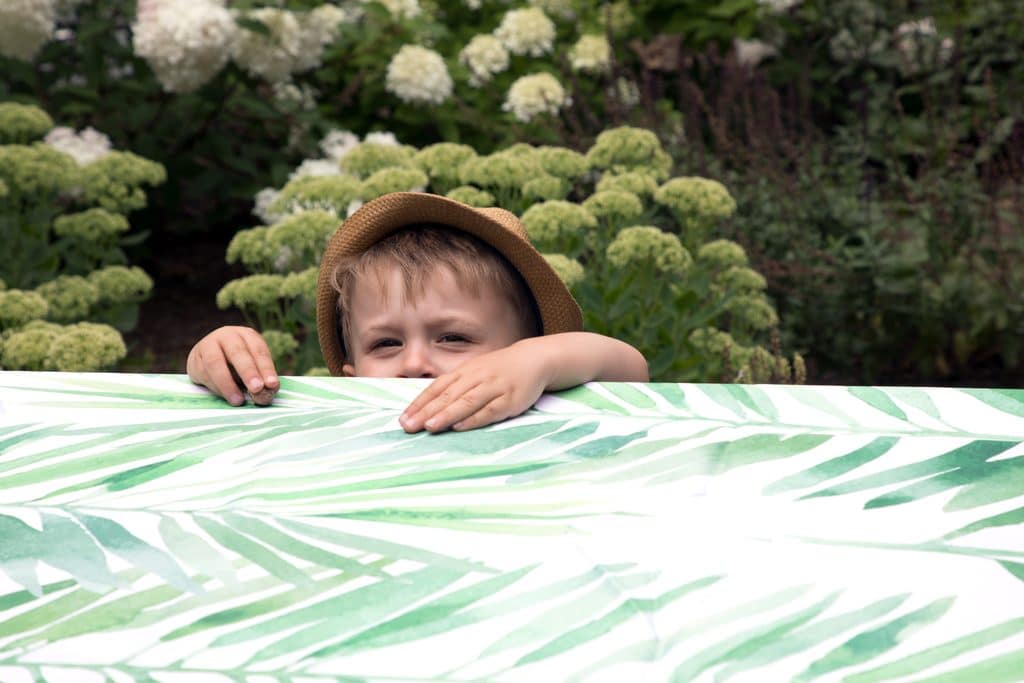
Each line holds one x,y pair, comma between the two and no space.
419,285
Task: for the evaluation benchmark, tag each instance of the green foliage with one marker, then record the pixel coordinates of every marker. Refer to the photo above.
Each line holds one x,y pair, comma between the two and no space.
21,124
635,282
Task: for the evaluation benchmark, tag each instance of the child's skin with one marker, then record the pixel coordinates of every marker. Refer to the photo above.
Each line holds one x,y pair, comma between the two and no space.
485,368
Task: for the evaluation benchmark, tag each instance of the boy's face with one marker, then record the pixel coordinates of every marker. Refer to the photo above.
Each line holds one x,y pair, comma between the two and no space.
443,328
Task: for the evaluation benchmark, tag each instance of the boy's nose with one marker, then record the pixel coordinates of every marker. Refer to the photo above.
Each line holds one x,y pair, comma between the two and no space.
416,362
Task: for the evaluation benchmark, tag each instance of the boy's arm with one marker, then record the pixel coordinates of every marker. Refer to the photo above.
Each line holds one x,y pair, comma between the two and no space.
229,357
504,383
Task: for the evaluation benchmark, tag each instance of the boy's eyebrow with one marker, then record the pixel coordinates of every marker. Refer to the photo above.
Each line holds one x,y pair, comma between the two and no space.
440,322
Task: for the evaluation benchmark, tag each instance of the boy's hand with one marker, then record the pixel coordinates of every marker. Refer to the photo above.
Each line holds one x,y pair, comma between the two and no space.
481,391
231,360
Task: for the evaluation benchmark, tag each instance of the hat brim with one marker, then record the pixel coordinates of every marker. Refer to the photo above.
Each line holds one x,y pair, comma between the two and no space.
380,217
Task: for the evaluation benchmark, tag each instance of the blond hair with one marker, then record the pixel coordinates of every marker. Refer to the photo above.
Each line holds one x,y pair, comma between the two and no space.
418,251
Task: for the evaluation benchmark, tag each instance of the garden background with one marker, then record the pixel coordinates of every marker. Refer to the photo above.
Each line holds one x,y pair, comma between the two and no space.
822,191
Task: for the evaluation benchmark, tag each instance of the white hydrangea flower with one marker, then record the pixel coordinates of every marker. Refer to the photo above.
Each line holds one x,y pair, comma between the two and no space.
752,52
264,198
185,42
86,147
402,9
526,32
337,143
315,167
779,6
381,138
919,44
418,75
592,53
474,4
289,94
353,206
535,94
319,29
484,56
276,56
628,91
558,8
25,26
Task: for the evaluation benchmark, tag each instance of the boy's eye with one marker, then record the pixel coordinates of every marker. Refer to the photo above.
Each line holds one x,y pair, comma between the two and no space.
384,343
453,339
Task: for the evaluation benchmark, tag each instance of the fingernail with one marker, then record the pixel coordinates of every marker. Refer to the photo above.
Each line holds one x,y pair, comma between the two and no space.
431,423
272,379
255,384
236,399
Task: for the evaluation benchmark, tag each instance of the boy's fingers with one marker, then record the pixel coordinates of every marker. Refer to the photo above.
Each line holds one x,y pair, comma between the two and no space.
265,376
458,407
218,378
241,360
414,415
495,411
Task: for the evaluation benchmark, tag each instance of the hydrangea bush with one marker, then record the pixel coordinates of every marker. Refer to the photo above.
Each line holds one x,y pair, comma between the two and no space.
67,291
635,246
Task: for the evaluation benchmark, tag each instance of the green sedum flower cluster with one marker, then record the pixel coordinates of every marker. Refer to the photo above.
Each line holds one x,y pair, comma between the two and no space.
81,347
63,213
611,223
331,193
22,123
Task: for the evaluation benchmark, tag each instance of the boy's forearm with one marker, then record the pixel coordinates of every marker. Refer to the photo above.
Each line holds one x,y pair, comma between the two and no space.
573,358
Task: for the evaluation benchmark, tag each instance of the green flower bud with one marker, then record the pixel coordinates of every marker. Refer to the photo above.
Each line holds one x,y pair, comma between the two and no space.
121,285
799,369
36,172
741,278
388,180
18,307
281,345
301,284
70,297
503,171
468,194
614,206
324,193
519,149
441,161
300,240
29,347
639,183
570,271
722,254
251,292
630,149
22,123
93,225
758,367
754,311
711,341
645,247
558,226
317,372
562,162
545,187
368,157
696,202
251,248
114,181
86,347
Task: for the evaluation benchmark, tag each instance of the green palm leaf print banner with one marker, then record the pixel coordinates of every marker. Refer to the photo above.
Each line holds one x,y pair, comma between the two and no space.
615,532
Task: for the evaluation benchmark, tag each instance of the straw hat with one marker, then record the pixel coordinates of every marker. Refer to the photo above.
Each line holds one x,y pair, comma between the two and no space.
499,228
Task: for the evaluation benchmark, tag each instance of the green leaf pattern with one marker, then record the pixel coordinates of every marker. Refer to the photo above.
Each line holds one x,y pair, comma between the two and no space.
668,532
